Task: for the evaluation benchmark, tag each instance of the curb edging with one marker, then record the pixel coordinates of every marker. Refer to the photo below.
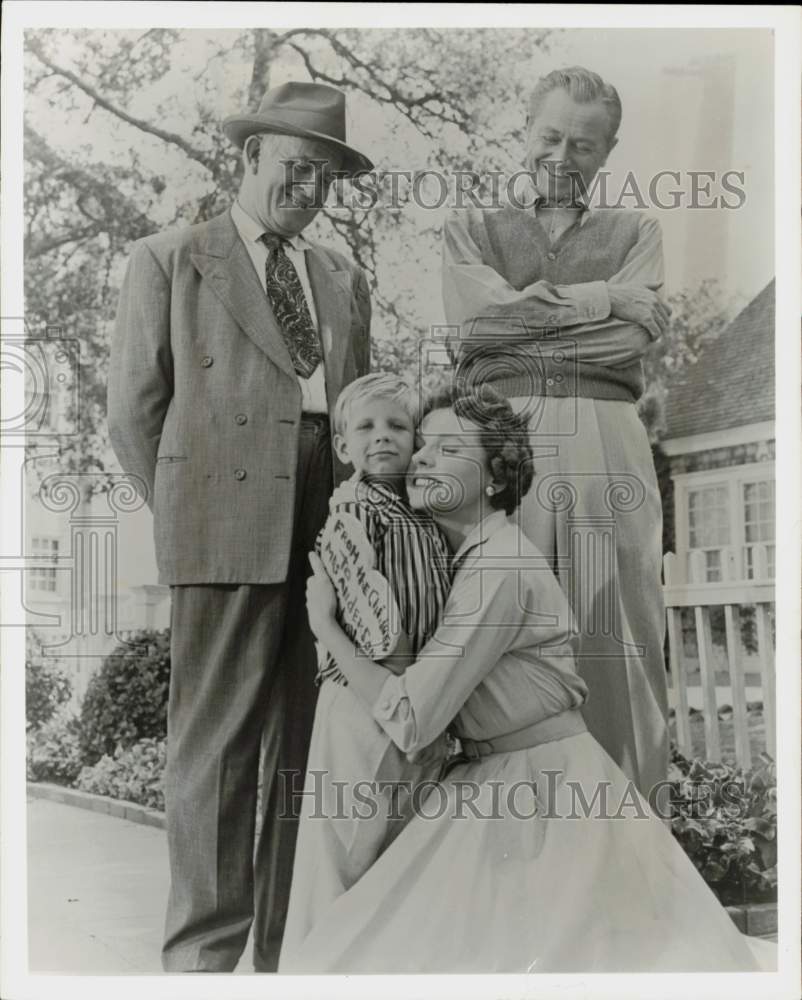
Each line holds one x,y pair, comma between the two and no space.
755,919
118,808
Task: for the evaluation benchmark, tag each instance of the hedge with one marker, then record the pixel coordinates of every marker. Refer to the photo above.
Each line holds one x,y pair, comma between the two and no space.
126,700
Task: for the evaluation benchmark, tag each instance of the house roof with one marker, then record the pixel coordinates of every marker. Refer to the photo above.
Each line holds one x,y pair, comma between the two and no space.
732,382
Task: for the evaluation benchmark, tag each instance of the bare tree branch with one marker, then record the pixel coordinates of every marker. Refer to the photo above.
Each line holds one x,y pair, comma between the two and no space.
119,212
432,103
36,248
170,137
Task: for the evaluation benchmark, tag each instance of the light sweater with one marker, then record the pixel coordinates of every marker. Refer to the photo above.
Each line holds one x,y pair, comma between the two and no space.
500,344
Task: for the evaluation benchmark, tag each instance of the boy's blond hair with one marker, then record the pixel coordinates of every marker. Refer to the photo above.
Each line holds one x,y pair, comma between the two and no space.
377,385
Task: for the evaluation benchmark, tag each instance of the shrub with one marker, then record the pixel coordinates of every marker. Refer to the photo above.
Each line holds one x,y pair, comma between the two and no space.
47,688
54,751
135,774
126,700
725,818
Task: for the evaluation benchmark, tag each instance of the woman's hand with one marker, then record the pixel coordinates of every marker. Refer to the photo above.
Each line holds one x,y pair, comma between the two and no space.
401,657
321,599
435,751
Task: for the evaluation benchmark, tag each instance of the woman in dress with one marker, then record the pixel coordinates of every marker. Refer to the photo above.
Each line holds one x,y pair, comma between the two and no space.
534,854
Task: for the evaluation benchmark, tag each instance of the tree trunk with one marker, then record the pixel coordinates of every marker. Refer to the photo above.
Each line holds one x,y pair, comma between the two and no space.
263,40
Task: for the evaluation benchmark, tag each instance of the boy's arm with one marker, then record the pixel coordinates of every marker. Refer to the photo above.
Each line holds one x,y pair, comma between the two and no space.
402,656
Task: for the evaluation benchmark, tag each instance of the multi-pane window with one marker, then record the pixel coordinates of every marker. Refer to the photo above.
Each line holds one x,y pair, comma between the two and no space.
758,514
709,527
726,524
43,578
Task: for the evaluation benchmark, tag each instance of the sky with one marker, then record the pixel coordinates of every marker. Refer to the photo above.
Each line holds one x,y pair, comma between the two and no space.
695,100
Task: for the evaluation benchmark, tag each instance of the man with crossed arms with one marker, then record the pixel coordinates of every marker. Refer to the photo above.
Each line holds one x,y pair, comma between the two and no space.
556,304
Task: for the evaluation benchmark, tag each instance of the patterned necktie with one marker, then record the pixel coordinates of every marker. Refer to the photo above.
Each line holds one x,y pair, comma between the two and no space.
286,296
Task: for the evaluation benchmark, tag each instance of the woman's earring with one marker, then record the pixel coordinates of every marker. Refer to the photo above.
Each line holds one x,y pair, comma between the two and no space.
490,490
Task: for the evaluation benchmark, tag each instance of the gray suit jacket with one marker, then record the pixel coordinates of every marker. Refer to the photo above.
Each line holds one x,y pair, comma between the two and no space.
203,402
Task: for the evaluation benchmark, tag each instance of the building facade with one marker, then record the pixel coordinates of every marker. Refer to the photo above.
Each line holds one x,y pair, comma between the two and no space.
720,444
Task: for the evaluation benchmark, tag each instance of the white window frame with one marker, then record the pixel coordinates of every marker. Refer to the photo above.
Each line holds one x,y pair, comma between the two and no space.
735,477
745,480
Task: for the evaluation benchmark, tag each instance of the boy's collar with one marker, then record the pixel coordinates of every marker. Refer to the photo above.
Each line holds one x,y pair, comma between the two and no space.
359,486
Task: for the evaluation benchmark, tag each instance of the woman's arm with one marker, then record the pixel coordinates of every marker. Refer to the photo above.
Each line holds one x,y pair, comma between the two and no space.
482,621
365,677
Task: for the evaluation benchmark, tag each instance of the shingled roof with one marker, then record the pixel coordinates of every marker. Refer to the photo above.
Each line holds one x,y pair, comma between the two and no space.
732,382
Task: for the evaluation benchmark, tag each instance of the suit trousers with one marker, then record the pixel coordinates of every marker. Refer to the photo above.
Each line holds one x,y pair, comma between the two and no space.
242,682
594,508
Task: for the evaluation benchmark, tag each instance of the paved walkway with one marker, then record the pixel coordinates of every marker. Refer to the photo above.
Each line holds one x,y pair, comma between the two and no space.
97,890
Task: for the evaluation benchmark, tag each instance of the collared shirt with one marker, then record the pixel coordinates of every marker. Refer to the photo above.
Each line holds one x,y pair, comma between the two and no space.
502,656
313,389
527,197
411,552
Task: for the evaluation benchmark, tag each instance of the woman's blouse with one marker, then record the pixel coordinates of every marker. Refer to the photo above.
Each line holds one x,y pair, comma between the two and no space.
502,657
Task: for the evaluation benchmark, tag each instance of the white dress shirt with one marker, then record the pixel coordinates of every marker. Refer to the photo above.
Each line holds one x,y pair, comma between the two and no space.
313,389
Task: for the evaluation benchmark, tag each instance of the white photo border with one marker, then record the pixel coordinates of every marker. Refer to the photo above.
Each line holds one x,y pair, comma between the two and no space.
17,983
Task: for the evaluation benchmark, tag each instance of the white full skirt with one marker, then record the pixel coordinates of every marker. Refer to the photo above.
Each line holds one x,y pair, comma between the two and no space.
485,887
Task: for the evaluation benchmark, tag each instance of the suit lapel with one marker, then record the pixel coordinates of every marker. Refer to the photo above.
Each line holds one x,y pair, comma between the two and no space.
331,289
221,257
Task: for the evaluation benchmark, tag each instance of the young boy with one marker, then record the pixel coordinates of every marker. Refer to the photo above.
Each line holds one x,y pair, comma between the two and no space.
346,821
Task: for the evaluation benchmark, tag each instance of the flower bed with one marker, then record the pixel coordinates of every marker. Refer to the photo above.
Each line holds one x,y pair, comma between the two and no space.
725,818
134,774
116,746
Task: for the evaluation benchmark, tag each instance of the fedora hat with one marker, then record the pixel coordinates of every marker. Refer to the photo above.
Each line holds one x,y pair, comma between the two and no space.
309,110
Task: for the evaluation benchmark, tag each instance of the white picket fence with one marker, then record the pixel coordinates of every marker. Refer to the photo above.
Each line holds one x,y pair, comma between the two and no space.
681,592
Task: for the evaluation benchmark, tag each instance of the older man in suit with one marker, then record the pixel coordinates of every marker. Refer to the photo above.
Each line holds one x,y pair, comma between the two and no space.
233,340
